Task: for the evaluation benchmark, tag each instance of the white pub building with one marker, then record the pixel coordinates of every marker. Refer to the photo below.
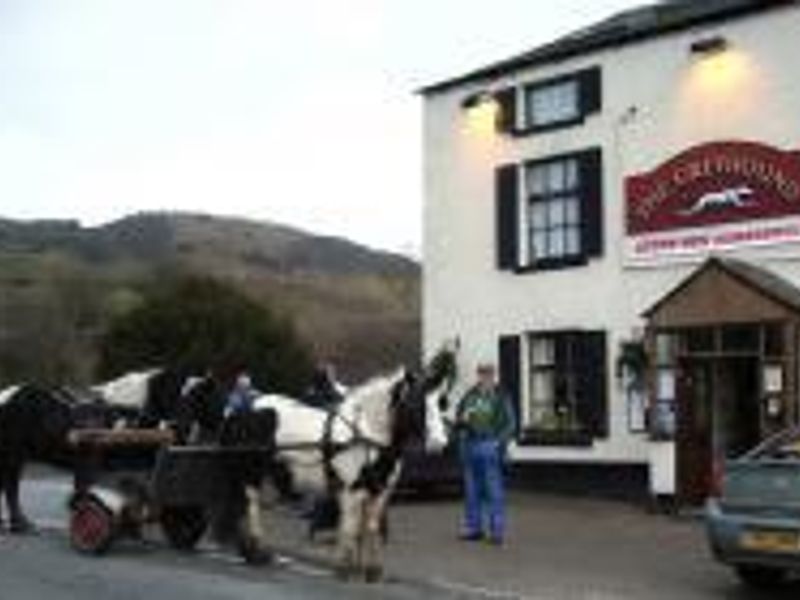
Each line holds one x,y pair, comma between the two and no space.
614,219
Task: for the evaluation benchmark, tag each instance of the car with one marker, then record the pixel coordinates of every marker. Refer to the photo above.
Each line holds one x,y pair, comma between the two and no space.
753,522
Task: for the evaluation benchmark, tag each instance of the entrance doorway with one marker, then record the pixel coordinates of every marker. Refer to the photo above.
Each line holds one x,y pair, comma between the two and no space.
718,418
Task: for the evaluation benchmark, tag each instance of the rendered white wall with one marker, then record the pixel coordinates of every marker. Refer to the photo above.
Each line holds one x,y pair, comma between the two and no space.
656,103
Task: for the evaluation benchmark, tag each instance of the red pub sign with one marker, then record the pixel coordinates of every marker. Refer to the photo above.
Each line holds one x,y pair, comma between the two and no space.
716,196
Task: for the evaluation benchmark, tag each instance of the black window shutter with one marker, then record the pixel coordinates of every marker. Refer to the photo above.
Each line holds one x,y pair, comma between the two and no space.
591,174
509,375
507,216
591,90
507,116
590,370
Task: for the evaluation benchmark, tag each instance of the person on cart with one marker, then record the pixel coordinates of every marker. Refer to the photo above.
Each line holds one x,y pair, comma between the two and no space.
324,391
242,395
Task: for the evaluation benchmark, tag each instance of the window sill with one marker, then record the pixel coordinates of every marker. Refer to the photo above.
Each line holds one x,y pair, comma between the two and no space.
549,127
574,439
552,264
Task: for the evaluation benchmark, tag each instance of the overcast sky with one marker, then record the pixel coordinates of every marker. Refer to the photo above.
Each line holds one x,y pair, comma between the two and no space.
298,111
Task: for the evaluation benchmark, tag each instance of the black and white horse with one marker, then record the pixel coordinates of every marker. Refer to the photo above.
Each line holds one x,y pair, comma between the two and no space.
147,398
355,451
34,426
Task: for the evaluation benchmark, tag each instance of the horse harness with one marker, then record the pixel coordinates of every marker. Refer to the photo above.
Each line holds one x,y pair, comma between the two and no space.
374,474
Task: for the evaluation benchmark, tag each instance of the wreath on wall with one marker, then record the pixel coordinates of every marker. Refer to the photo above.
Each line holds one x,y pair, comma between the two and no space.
632,358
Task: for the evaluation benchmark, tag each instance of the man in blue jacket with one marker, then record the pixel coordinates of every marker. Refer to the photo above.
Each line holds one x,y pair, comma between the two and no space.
485,422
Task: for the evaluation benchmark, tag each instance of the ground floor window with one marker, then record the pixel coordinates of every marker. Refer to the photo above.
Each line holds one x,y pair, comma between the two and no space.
566,380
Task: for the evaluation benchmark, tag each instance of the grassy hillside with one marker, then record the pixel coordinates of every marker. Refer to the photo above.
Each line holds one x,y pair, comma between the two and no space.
60,282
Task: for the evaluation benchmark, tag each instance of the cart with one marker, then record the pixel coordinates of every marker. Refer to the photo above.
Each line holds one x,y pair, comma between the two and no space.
126,479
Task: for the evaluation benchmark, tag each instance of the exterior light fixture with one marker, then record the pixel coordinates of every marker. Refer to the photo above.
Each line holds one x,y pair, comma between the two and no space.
477,99
708,46
482,111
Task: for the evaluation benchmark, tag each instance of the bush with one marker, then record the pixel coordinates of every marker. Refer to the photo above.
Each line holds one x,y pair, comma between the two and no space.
198,324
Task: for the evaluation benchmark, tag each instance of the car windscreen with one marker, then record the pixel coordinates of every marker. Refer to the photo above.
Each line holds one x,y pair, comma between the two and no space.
784,445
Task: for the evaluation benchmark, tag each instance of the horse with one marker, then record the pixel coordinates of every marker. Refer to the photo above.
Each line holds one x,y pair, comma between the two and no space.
34,425
147,398
354,452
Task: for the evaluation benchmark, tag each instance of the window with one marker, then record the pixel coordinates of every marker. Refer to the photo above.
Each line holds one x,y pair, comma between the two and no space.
549,212
552,104
554,210
566,397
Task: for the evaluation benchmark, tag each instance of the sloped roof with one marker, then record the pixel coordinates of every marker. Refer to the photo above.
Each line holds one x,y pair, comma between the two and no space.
758,278
622,28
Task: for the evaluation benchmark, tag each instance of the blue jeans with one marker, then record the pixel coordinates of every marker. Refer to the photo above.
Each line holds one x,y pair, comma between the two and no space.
483,487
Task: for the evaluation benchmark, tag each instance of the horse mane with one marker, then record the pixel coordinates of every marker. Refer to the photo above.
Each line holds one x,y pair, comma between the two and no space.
372,400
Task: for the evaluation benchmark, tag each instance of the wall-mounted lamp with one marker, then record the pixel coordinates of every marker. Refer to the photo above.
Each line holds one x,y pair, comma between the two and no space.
708,46
482,112
477,99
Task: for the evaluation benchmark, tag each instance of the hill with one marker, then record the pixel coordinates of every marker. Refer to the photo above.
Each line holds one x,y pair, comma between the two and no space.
60,281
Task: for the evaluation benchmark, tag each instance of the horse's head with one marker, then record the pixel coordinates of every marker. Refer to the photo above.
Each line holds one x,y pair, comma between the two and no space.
438,380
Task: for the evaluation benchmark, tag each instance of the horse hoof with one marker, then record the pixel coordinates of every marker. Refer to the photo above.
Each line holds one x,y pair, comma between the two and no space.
373,574
255,554
21,526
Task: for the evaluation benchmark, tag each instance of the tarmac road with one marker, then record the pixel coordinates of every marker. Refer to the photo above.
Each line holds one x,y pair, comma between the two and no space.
44,566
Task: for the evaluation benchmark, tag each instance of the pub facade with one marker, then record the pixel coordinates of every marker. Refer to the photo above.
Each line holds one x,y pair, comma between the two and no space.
614,218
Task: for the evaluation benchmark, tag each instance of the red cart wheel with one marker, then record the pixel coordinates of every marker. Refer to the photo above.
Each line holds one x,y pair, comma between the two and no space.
91,528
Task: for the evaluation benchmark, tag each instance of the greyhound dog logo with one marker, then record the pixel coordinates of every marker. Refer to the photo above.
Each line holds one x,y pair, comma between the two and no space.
715,201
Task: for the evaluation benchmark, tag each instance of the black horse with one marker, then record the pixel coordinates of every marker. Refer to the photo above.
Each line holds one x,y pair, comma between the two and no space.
34,426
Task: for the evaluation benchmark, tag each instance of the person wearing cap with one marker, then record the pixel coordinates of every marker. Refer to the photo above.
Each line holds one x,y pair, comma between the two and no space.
485,422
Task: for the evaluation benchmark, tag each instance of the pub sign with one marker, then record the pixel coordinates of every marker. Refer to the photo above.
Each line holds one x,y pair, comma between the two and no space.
711,198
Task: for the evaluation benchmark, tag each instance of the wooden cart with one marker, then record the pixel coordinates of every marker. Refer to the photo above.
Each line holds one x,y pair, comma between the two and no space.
126,479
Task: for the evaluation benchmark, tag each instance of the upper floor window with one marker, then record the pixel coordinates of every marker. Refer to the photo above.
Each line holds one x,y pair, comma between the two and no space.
549,212
552,103
554,214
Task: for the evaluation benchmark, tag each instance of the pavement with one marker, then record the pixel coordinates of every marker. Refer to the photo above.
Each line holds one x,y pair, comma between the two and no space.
557,547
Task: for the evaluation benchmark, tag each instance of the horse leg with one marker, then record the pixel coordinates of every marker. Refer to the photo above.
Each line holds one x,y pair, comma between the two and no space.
375,527
18,522
350,519
253,545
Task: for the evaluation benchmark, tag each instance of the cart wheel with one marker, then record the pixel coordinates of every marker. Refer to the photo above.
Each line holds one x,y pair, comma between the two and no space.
91,527
183,525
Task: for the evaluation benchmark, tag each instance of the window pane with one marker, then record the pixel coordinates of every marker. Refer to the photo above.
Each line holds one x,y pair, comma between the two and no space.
773,339
573,241
571,175
740,338
536,183
553,103
556,212
539,215
556,175
542,351
539,244
572,211
543,417
700,339
542,386
666,348
555,242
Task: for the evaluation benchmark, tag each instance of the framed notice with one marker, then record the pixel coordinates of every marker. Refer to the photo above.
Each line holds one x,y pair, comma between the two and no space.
773,379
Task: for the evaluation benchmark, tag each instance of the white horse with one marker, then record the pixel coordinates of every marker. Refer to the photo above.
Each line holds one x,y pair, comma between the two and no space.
148,397
355,451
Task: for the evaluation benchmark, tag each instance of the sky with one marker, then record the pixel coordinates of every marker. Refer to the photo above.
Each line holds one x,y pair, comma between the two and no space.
301,112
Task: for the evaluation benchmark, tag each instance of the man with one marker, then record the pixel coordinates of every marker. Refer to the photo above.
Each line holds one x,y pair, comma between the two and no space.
240,398
485,423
